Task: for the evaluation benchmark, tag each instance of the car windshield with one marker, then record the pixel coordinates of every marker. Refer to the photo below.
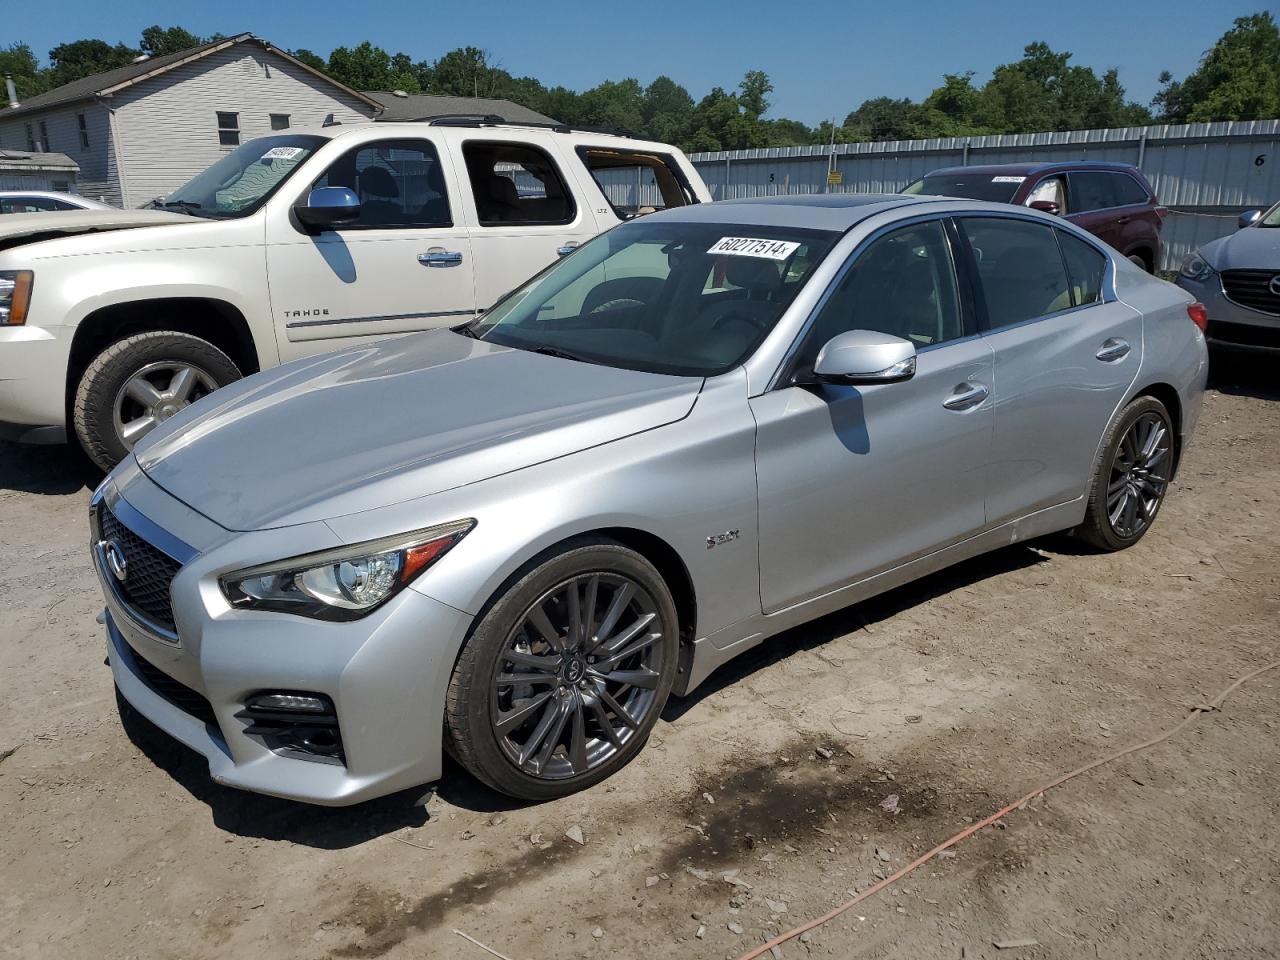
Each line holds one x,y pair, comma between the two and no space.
690,299
1271,218
995,187
241,182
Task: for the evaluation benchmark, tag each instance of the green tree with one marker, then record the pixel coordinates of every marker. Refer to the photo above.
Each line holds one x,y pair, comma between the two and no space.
83,58
753,93
367,67
1237,79
17,61
466,72
157,41
312,60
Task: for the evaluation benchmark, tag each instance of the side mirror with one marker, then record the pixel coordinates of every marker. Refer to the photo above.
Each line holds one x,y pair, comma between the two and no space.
1045,206
1248,219
865,357
329,205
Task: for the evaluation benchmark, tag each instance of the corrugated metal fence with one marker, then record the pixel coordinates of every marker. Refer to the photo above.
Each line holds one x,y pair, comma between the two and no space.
1206,173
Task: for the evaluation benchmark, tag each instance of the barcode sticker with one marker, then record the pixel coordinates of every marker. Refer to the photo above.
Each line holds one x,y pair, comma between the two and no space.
283,153
751,247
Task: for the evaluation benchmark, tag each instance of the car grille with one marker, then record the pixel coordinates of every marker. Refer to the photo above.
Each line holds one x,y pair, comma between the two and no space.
178,694
149,571
1252,288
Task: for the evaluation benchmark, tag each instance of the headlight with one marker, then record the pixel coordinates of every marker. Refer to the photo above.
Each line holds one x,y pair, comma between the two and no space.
1194,267
344,583
15,296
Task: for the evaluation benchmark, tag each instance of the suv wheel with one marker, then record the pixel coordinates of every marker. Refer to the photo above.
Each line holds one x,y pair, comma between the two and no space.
563,678
139,382
1139,261
1131,477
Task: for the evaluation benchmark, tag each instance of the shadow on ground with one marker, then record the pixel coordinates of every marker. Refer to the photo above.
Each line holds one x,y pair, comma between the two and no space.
55,470
1244,374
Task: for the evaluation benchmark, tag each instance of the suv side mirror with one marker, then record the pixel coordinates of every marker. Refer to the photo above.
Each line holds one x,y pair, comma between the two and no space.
865,357
329,205
1045,206
1248,219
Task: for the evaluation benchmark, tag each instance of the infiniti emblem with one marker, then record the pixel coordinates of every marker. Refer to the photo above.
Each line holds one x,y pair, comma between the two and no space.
1274,285
116,561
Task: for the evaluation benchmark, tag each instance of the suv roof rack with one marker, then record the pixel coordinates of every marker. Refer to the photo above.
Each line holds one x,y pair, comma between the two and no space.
495,120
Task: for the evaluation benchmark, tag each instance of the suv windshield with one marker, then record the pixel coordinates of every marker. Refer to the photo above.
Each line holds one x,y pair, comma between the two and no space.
997,188
691,299
1271,218
241,182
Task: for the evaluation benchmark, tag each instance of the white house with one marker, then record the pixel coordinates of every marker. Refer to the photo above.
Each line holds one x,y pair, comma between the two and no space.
140,131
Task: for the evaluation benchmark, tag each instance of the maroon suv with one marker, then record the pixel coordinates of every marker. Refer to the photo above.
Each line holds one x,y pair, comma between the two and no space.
1113,201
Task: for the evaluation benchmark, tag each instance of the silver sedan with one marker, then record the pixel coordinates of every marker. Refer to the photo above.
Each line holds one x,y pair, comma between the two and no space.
514,539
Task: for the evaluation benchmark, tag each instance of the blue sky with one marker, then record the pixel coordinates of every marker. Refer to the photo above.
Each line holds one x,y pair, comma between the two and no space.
824,57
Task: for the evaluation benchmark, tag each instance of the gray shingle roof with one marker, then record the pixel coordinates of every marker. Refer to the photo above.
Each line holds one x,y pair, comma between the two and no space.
422,106
23,160
87,87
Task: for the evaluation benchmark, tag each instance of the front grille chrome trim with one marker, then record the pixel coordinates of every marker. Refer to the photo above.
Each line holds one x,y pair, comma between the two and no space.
135,616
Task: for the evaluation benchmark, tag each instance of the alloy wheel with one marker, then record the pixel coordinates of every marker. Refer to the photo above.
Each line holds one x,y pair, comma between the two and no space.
578,676
1139,475
154,394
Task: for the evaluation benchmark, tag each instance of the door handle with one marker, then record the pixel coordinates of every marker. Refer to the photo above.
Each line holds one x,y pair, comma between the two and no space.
1113,349
567,249
1123,220
966,396
440,257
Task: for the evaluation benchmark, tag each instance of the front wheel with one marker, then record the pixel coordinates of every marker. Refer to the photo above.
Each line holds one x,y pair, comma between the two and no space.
1131,477
563,678
137,383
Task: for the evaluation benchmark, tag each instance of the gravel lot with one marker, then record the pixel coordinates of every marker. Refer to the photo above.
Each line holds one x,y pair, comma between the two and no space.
955,694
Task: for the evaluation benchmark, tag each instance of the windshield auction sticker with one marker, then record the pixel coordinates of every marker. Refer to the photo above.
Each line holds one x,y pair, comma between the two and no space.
1007,179
283,153
750,247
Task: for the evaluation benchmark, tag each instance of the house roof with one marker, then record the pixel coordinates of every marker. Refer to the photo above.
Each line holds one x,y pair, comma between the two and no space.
422,106
23,161
107,83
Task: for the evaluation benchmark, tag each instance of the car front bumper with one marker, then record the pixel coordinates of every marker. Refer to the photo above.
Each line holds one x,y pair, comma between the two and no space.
1232,326
386,675
33,377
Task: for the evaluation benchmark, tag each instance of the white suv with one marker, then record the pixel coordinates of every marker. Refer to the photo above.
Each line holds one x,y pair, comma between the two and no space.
292,245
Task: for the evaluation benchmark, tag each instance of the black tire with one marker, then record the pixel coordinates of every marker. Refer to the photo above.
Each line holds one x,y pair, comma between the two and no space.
1098,529
473,696
93,413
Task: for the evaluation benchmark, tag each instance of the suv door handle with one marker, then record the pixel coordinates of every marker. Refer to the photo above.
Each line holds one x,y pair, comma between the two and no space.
966,396
567,249
440,257
1124,219
1113,349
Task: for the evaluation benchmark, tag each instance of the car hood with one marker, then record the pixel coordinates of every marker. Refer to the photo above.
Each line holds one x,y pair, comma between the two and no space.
19,228
376,425
1253,248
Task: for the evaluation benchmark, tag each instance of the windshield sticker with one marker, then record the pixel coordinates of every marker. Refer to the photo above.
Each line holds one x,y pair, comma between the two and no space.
283,153
1007,179
750,247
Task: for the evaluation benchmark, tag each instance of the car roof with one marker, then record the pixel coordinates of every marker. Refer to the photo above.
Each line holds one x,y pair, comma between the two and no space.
817,211
1030,169
472,128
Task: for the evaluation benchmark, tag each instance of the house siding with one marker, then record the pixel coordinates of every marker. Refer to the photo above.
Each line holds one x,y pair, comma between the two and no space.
96,179
166,128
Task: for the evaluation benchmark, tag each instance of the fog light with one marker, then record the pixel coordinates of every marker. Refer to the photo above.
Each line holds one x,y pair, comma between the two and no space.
288,702
295,724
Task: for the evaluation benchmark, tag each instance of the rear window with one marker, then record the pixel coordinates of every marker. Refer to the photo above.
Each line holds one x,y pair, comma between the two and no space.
637,182
1127,190
997,188
1092,190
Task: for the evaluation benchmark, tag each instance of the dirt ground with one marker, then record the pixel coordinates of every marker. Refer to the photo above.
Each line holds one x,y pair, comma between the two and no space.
955,695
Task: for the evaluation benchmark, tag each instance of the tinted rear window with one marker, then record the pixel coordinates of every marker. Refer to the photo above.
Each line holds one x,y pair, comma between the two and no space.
1127,190
997,188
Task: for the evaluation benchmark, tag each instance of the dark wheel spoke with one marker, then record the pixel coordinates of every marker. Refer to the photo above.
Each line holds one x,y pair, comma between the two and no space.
627,653
533,661
616,643
511,679
542,623
540,731
578,737
552,741
602,718
618,709
589,610
513,719
645,679
576,636
616,608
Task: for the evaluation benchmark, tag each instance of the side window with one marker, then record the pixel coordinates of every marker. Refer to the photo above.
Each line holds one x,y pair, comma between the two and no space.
1020,269
516,183
636,183
228,128
1091,190
399,183
1085,267
279,121
1053,190
1127,190
903,284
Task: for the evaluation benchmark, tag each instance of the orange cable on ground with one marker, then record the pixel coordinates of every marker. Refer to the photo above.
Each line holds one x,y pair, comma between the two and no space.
1211,705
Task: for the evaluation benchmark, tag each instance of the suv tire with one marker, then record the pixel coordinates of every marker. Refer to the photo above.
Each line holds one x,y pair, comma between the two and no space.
148,375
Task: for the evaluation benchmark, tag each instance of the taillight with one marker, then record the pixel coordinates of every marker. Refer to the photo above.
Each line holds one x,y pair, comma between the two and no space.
1199,315
1162,212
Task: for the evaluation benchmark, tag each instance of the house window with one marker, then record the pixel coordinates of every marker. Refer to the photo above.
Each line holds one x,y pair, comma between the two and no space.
44,137
31,139
279,121
228,129
84,131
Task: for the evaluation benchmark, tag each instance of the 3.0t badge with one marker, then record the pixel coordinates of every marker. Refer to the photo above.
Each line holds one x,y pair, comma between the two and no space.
717,539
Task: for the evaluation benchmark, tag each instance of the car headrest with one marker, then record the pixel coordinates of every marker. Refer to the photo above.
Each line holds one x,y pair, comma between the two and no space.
377,182
755,274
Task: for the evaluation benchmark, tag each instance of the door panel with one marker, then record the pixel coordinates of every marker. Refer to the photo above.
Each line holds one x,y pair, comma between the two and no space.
405,265
854,480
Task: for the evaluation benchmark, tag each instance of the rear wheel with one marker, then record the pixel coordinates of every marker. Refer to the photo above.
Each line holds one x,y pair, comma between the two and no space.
563,678
1138,260
137,383
1131,477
